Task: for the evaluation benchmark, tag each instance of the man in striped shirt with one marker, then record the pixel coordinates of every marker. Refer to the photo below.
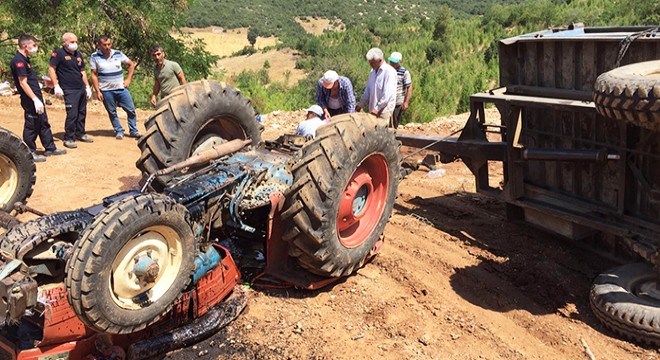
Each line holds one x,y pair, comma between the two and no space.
403,88
111,88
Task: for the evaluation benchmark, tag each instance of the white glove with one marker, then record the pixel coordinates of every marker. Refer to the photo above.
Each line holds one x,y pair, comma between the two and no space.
38,105
89,92
58,91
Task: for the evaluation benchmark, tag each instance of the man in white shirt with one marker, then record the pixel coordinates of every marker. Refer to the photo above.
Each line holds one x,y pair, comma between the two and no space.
308,127
380,92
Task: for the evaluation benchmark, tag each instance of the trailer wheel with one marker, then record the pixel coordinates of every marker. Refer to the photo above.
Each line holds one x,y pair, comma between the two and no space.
131,264
345,185
17,170
626,301
193,118
630,93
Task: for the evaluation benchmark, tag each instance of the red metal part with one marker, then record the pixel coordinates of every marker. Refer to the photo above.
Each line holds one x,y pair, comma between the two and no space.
64,334
363,201
281,270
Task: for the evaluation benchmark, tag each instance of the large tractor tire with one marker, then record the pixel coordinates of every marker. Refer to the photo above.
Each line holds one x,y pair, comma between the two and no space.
630,93
193,118
17,171
345,185
626,301
131,264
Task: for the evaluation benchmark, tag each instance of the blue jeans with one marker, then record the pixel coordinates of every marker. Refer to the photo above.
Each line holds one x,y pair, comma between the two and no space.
121,97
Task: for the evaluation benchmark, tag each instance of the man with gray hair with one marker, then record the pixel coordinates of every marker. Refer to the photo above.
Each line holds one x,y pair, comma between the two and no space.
380,92
67,71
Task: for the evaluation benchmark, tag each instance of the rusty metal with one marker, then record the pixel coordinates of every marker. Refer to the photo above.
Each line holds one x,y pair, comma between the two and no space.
7,221
193,332
22,208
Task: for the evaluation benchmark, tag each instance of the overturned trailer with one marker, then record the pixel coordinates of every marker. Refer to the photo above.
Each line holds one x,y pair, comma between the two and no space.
579,146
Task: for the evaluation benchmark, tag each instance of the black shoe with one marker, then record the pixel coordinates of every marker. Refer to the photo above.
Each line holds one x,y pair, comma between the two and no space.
135,135
38,158
55,152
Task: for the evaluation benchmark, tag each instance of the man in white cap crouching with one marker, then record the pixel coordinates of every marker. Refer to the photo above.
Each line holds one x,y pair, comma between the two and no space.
308,127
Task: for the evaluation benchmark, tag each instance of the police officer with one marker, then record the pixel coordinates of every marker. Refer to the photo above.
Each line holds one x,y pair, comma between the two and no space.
67,71
36,120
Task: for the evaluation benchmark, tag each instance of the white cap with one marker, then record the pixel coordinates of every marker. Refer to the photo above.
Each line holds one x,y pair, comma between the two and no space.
329,78
395,57
316,110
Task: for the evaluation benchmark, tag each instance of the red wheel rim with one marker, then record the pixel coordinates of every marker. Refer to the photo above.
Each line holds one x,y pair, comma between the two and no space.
363,201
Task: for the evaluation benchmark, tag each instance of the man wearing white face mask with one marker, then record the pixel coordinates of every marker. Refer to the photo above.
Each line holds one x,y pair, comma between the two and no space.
36,120
67,71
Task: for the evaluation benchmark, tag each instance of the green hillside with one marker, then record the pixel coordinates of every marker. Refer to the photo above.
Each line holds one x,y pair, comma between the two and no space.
276,17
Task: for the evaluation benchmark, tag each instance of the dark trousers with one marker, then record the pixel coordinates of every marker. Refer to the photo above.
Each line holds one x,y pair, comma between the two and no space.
36,125
75,101
334,112
396,116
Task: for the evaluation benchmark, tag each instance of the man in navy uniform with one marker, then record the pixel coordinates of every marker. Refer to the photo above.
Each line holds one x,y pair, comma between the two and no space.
67,71
36,120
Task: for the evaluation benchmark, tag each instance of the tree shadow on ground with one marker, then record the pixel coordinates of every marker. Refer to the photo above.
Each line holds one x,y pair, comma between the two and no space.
520,266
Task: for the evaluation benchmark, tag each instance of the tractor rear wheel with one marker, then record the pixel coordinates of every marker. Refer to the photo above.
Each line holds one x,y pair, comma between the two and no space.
626,300
345,185
17,170
630,93
131,264
193,118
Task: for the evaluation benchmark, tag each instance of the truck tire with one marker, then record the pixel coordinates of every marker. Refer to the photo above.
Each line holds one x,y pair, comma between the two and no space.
625,300
194,117
345,184
131,264
630,93
17,171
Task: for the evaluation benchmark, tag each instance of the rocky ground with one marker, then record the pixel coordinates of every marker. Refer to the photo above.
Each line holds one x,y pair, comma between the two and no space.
454,279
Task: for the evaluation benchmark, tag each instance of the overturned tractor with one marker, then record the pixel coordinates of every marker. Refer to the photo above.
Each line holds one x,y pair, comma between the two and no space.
143,262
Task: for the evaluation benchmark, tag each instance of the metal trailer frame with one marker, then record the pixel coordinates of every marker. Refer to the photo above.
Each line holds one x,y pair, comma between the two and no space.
565,167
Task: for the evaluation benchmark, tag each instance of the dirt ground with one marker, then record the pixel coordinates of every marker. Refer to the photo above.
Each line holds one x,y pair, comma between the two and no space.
454,279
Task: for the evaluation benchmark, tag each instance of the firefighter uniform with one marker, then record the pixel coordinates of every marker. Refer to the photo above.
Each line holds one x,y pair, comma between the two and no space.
68,68
35,124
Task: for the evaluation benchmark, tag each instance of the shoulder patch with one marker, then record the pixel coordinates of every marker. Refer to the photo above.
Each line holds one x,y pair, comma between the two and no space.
20,64
54,54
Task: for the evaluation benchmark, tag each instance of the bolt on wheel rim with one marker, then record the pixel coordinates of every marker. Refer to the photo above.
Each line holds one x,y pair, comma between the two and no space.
8,179
363,201
159,250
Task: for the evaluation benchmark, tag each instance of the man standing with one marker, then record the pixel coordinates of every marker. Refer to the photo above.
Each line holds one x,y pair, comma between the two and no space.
403,88
67,71
334,94
167,74
32,102
111,88
380,92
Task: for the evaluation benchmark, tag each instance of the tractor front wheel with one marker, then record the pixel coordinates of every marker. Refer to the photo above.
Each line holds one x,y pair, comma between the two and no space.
131,264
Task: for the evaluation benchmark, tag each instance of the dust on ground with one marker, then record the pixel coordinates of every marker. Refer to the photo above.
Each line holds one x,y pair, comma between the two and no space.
454,279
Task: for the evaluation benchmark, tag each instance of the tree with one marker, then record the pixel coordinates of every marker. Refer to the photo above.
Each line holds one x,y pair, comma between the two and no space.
252,36
134,25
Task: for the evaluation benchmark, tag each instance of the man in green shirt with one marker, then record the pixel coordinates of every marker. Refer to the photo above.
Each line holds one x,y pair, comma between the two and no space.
167,74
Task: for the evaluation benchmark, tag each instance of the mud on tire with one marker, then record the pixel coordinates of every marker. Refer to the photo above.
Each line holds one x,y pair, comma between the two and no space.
105,288
345,185
194,117
630,93
17,170
624,299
